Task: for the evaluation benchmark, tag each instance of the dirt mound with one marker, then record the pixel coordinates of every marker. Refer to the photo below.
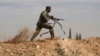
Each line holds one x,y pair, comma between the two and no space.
56,47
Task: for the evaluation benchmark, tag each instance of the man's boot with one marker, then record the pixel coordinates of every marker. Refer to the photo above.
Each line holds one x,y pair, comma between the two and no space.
52,34
35,34
33,37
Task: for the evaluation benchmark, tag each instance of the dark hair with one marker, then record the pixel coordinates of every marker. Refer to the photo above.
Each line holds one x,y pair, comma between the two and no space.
48,7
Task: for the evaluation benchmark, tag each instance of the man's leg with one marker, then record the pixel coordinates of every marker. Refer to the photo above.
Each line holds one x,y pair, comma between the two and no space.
48,26
52,33
36,33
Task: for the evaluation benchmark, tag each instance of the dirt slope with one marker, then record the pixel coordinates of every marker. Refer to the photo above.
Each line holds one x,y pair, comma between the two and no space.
56,47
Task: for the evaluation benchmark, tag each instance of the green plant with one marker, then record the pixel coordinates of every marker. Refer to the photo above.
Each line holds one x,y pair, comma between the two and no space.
59,50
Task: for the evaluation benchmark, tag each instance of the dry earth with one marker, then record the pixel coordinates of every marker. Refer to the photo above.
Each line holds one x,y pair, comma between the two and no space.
57,47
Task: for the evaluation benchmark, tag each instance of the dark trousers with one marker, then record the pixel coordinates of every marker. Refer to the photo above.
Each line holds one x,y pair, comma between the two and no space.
40,26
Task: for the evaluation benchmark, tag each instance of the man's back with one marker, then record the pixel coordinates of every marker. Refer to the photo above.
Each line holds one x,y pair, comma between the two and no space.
44,17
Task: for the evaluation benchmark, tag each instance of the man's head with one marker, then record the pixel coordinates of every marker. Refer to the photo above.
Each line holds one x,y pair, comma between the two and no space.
48,9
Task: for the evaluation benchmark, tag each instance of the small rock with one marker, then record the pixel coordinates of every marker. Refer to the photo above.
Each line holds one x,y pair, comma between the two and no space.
7,50
11,54
37,46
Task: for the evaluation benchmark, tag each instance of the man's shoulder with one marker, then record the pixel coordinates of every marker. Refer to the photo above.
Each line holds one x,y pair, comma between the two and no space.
44,11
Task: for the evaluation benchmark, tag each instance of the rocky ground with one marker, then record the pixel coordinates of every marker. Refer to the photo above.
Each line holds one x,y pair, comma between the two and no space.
57,47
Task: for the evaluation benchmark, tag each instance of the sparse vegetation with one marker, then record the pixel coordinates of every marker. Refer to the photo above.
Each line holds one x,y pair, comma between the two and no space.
73,52
58,47
78,36
59,50
70,34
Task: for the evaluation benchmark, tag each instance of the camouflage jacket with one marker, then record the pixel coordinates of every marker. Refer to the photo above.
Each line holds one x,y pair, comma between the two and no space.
44,17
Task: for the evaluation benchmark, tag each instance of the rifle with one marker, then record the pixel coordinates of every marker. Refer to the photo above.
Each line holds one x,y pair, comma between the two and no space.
56,20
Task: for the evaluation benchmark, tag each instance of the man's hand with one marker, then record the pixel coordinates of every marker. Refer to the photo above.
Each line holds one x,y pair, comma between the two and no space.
52,17
58,19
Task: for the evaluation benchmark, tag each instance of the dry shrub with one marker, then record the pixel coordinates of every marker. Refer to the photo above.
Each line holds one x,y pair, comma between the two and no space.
23,35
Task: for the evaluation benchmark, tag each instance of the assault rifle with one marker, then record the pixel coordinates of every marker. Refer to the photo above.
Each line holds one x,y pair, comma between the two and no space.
56,21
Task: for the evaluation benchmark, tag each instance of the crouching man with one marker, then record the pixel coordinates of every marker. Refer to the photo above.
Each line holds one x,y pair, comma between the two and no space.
43,23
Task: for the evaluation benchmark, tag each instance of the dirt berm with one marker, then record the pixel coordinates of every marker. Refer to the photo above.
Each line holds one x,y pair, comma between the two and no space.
57,47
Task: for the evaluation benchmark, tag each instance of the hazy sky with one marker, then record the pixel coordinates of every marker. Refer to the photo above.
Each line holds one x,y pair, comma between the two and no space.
81,16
